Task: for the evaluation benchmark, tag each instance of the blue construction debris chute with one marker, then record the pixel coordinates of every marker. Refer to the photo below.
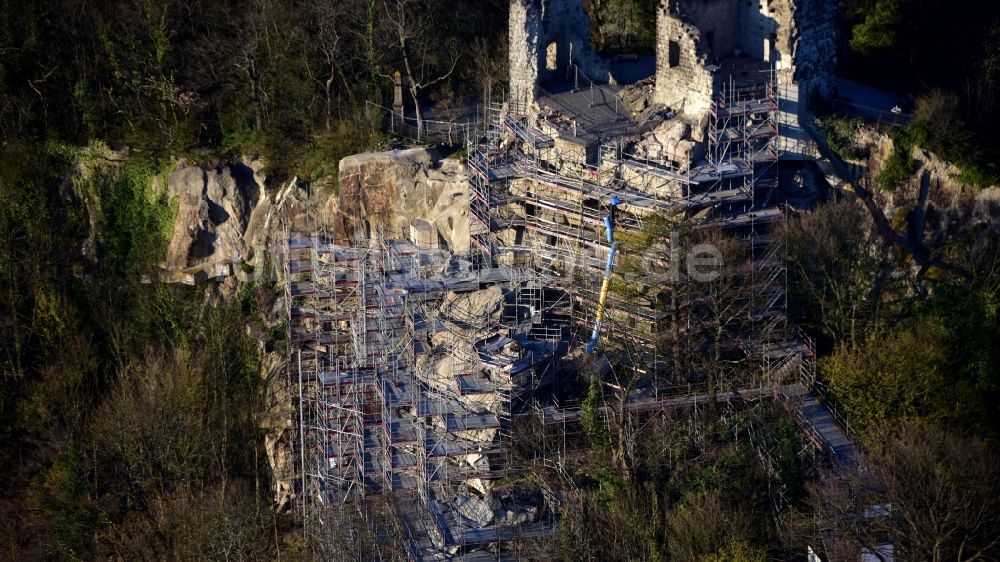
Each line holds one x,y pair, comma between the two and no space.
609,225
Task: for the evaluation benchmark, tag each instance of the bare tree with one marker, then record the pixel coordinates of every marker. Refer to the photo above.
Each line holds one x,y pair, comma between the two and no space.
330,23
625,352
837,264
721,309
253,42
489,64
929,492
411,27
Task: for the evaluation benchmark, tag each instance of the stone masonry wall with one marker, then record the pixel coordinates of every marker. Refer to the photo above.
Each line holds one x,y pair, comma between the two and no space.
682,81
798,36
814,47
717,20
545,36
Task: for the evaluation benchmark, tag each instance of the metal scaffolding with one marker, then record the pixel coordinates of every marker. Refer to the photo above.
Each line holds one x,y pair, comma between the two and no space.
406,392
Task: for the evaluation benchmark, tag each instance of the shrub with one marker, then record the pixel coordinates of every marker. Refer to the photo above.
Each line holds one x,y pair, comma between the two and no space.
840,132
900,166
137,220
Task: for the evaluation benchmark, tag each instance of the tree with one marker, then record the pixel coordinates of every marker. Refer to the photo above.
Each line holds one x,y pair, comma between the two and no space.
489,65
930,492
877,33
330,26
722,311
837,267
939,110
411,26
892,375
252,56
699,524
738,550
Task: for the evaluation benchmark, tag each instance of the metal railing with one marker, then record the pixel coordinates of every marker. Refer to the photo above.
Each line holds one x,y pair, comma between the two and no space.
868,113
451,133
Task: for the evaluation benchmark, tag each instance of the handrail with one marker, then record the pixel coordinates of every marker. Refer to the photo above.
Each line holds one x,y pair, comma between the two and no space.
454,133
872,113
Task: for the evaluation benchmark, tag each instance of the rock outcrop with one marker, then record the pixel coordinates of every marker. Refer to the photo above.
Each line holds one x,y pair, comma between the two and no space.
390,191
219,223
669,141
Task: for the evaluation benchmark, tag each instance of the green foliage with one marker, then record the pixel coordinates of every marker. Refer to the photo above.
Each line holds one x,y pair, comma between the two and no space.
937,127
900,166
624,26
62,492
241,140
590,415
971,323
953,142
840,133
728,471
609,487
892,376
699,524
137,216
737,550
134,382
893,46
35,240
350,136
246,295
47,321
166,314
87,105
878,32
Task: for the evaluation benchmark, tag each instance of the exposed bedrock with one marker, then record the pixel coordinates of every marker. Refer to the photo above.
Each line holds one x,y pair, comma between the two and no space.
218,227
391,191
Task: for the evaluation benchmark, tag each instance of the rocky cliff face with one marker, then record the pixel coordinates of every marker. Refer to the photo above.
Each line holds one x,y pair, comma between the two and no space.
933,214
219,224
388,191
226,219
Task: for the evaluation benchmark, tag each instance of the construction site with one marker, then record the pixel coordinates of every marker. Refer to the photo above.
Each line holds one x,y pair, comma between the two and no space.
413,361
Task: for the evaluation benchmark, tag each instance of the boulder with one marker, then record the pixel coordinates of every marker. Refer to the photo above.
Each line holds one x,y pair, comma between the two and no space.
669,141
215,209
391,191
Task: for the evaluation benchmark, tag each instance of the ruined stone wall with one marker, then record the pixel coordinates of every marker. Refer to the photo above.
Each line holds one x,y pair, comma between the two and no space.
682,81
759,27
545,36
717,20
814,47
526,50
798,36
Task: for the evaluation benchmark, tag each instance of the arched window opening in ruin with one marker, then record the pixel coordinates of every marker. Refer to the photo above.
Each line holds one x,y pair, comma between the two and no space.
769,47
552,56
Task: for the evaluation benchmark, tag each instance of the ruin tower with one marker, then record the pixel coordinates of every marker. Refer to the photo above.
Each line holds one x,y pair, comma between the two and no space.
549,39
702,44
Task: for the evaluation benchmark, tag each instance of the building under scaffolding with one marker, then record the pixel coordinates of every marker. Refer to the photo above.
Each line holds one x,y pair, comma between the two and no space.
413,362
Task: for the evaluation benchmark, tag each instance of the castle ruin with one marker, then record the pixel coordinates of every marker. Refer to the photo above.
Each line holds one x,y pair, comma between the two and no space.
700,46
421,351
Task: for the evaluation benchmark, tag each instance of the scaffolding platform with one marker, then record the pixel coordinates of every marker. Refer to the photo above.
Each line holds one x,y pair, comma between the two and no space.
470,384
535,138
468,422
404,395
553,415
